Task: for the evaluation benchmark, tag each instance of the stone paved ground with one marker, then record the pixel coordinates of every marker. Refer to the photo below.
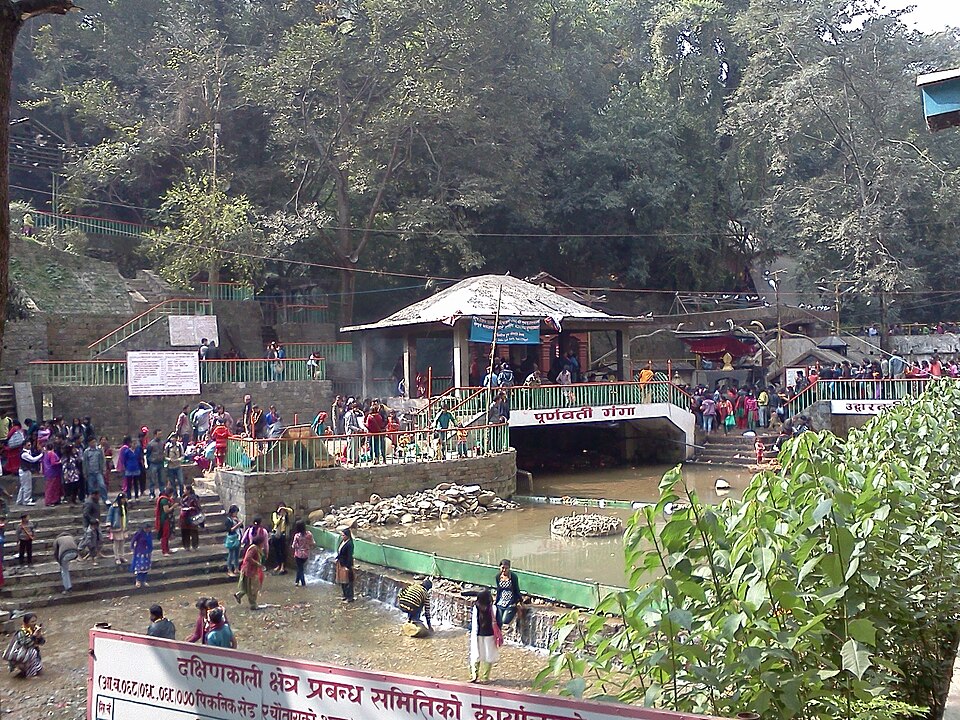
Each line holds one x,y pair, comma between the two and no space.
308,623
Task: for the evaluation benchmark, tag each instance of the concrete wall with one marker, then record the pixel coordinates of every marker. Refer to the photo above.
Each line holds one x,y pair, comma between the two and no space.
69,335
115,414
23,341
298,332
537,627
308,490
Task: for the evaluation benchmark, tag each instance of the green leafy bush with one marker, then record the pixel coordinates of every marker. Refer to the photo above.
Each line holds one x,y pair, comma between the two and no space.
829,591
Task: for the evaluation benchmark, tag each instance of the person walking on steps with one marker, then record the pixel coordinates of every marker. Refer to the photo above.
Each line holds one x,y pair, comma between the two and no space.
163,519
117,524
485,638
142,547
65,552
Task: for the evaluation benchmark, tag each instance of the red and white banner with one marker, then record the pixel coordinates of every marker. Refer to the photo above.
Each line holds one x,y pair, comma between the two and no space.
133,677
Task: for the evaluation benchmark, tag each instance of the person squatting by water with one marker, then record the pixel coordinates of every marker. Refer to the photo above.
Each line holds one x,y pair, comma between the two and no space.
414,599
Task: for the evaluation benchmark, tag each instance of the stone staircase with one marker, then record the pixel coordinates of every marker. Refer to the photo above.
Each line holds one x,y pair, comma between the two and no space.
8,401
733,449
40,586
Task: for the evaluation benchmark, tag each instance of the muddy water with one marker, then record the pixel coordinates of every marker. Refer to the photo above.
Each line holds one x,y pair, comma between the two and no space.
524,534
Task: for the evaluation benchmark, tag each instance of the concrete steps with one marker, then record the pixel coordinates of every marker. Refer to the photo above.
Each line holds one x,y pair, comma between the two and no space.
51,522
40,586
733,449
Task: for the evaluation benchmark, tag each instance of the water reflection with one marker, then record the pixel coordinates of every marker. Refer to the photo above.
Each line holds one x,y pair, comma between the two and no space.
524,534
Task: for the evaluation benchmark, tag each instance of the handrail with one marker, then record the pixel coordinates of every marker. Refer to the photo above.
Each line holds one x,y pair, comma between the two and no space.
117,334
92,373
859,389
394,447
525,398
122,228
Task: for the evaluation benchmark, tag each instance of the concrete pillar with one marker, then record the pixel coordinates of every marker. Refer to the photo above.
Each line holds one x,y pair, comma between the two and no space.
410,365
623,357
366,367
461,354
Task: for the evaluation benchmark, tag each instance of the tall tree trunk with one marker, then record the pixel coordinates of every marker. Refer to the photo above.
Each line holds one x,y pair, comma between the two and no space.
13,13
9,26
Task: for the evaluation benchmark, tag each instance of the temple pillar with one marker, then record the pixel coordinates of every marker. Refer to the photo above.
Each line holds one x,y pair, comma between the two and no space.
461,355
623,356
410,365
366,367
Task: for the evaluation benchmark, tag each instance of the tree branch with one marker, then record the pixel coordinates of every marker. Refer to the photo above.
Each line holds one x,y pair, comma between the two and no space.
27,9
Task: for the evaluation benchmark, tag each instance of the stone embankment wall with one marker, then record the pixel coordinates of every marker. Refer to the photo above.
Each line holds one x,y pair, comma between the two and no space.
536,629
115,414
307,490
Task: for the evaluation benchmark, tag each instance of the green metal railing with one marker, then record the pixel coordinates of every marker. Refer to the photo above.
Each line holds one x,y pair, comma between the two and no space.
93,373
295,314
89,225
439,384
861,390
332,351
236,292
260,370
86,373
176,306
475,400
401,447
576,593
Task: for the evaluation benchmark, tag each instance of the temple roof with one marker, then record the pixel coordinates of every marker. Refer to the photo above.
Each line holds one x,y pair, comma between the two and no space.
478,297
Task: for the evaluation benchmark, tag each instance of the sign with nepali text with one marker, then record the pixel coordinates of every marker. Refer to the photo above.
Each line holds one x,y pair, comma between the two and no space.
563,416
510,331
163,373
190,330
860,407
132,677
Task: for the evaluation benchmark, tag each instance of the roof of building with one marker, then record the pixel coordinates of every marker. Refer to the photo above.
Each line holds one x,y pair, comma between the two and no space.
479,297
555,284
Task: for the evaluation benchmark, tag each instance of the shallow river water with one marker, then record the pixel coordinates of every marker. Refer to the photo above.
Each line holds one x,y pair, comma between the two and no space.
523,535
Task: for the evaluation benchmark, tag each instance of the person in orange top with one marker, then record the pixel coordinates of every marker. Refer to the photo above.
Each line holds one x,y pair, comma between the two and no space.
220,434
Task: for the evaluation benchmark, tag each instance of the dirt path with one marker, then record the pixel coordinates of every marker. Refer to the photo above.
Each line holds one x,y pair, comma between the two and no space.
309,623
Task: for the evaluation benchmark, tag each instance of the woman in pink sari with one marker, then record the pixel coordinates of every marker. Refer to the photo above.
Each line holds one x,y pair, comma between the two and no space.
52,474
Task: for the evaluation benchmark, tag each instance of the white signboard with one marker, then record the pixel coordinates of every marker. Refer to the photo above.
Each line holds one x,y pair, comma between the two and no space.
189,330
860,407
133,677
163,373
564,416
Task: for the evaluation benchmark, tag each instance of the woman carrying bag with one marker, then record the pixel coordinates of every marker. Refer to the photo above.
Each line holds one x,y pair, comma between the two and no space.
485,638
344,566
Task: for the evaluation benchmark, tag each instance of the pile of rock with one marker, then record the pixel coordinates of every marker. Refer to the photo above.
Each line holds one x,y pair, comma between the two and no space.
444,502
585,525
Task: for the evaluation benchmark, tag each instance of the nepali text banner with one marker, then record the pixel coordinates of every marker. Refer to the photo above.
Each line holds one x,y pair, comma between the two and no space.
860,407
510,331
133,677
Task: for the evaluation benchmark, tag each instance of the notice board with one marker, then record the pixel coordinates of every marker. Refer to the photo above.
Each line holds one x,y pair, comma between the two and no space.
163,373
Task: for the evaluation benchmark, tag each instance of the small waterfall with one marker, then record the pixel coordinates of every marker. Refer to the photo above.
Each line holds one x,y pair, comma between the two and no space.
537,629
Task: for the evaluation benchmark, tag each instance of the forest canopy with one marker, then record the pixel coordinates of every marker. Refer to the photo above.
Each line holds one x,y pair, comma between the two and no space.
628,144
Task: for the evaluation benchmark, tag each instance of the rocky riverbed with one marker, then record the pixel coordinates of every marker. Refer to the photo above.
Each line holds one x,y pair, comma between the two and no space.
444,502
586,525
